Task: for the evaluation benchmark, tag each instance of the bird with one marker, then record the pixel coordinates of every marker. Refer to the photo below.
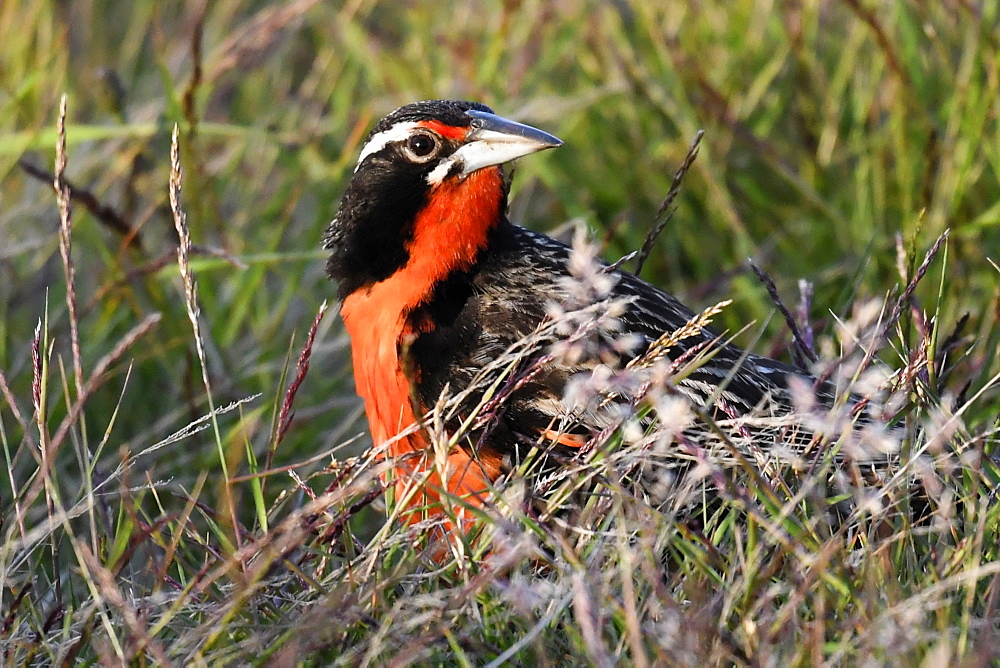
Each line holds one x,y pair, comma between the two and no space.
436,284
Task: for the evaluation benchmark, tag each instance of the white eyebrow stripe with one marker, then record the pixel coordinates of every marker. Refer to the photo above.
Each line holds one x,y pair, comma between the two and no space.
397,132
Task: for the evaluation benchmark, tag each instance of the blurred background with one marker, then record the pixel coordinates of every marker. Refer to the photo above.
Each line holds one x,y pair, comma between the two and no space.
831,128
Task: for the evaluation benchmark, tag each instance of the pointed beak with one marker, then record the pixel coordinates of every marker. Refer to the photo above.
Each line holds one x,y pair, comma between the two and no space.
494,140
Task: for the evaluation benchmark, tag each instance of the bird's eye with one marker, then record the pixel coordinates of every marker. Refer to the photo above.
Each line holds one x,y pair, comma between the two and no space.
421,146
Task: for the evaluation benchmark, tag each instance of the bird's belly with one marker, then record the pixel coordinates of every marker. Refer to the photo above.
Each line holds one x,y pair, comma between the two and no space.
376,335
378,372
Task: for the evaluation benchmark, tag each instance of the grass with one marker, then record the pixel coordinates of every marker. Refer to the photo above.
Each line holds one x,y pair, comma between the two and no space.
187,478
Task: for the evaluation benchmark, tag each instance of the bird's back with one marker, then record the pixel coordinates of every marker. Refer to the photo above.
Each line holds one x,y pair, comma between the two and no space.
530,318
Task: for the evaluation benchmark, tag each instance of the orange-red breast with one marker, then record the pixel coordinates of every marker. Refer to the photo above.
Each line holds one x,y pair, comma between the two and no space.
436,282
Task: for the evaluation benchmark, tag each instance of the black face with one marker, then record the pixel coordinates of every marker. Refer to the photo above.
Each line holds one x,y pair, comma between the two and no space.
368,239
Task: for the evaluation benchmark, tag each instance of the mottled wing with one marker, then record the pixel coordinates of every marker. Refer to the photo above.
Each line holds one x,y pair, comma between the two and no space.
484,318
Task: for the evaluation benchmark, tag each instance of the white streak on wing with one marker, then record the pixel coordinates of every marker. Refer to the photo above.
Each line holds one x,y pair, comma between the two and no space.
397,132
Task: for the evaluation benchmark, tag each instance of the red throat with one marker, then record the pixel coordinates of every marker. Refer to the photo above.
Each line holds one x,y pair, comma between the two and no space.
448,234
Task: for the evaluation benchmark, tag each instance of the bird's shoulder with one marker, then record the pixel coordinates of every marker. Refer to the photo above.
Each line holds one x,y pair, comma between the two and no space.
531,269
528,270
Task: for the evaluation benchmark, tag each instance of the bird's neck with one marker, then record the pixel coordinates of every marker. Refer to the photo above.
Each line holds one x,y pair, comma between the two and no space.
393,232
448,234
451,231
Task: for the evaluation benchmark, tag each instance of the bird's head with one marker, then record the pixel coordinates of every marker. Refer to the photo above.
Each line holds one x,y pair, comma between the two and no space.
429,179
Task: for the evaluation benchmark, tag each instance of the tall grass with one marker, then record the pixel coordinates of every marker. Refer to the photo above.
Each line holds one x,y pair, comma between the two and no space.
187,476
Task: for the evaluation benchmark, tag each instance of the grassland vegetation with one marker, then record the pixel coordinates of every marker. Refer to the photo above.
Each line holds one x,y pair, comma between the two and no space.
187,473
